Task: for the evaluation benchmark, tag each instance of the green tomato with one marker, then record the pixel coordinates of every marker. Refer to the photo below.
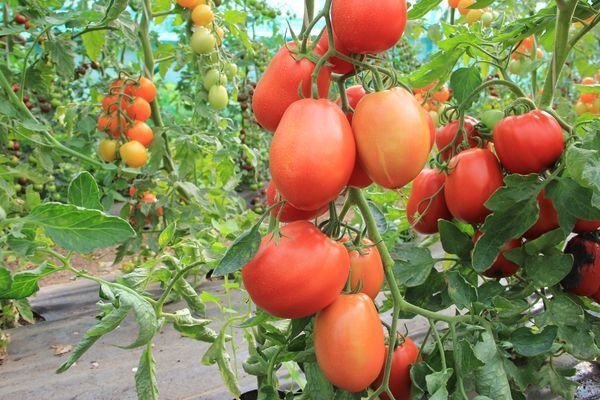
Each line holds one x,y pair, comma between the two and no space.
487,18
516,67
17,187
51,188
491,117
56,196
203,41
38,187
217,97
232,70
214,77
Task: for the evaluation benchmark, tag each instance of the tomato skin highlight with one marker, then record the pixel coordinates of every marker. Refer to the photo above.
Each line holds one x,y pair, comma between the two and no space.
392,135
366,269
289,212
474,176
277,89
312,153
349,342
528,143
584,278
431,125
502,267
582,226
368,26
302,254
427,185
405,355
547,219
445,135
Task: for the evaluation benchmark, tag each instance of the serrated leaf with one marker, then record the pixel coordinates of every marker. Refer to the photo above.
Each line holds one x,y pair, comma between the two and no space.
61,54
463,81
94,43
83,192
241,251
455,241
422,7
145,376
491,379
145,316
530,344
412,265
25,283
80,229
216,354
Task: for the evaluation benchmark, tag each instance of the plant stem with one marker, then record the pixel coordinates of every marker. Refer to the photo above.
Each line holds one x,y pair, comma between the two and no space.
510,85
564,13
149,72
439,343
309,14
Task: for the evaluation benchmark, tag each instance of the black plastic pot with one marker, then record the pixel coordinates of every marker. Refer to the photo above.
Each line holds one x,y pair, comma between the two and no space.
253,395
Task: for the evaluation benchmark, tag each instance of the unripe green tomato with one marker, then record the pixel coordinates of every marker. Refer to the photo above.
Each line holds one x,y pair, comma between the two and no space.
10,145
232,70
203,41
55,103
259,210
487,18
51,188
56,196
17,187
14,160
217,97
38,187
515,67
214,77
491,117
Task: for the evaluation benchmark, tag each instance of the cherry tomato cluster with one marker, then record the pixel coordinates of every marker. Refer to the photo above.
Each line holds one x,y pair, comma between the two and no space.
126,108
22,20
433,97
320,148
42,102
138,211
523,55
473,15
588,102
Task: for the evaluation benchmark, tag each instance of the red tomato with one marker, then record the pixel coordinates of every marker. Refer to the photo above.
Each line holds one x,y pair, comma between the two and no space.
278,87
359,177
110,123
582,226
501,268
442,95
392,135
431,125
473,177
584,278
427,201
338,65
368,26
139,109
316,269
141,132
111,102
588,80
547,219
349,342
405,355
587,97
528,143
366,269
445,135
145,89
312,153
289,212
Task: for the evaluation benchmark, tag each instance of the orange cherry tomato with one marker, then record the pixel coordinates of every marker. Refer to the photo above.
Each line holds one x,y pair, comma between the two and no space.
110,123
139,109
144,89
588,80
141,132
134,154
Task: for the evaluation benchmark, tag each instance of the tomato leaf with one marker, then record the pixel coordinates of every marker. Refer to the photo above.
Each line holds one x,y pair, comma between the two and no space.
455,241
379,216
436,384
491,379
412,265
543,270
466,357
80,229
193,300
530,344
93,43
583,165
480,4
241,251
25,283
61,54
83,192
565,311
459,290
216,354
571,201
145,376
167,235
145,316
463,81
559,385
422,7
317,386
5,279
193,327
439,66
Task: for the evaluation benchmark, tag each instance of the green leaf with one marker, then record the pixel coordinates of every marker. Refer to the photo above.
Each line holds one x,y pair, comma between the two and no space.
460,291
380,220
559,385
594,88
5,279
422,7
145,316
412,265
167,235
491,379
509,308
466,357
145,376
193,327
583,165
437,382
25,283
80,229
317,386
25,244
439,66
463,81
530,344
565,311
83,192
548,270
571,201
83,346
61,54
216,354
455,241
94,43
579,342
481,4
191,297
241,251
114,10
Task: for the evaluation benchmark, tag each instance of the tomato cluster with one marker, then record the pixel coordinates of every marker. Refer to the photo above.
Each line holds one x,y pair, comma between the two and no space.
433,97
125,110
473,15
588,102
523,54
144,207
21,19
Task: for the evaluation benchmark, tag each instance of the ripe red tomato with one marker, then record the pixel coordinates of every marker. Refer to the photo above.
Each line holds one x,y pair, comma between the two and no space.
139,109
349,342
359,177
316,269
547,220
312,153
442,95
445,135
528,143
289,212
110,123
366,269
584,278
588,80
431,125
582,226
109,103
426,202
141,132
277,89
368,26
144,89
474,176
501,268
392,135
405,355
338,65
